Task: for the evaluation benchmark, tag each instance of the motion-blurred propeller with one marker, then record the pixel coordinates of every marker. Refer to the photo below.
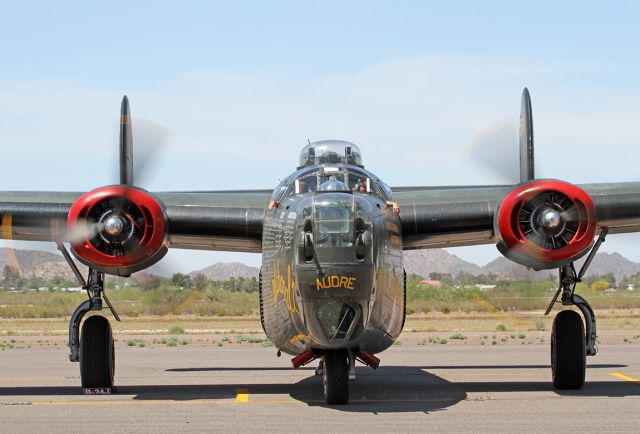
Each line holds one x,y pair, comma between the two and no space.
494,148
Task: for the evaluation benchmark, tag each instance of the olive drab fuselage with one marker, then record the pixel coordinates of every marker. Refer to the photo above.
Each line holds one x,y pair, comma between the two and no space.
332,275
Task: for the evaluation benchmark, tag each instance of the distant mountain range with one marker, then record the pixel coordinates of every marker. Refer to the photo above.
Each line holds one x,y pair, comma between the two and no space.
227,270
420,262
423,262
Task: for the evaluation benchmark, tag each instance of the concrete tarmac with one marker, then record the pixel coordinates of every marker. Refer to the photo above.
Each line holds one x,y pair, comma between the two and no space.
416,389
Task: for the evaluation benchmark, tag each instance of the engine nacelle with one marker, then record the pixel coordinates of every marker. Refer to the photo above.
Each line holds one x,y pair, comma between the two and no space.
118,229
545,224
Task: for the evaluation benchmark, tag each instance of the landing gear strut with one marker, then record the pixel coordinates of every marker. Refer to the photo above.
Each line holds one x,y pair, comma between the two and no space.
569,343
93,348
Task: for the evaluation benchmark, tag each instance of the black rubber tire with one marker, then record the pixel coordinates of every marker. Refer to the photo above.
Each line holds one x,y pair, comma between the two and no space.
568,351
97,355
335,377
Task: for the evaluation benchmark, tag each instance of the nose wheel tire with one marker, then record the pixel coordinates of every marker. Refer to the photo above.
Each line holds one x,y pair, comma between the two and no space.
335,377
568,351
97,356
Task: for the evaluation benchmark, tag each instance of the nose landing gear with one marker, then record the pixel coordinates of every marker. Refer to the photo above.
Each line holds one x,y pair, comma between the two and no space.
337,368
335,377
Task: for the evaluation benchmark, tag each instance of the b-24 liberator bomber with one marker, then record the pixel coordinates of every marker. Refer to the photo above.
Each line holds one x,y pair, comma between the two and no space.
331,234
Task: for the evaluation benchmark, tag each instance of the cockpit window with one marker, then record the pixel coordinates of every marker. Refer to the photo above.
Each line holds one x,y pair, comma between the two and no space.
357,181
333,220
279,191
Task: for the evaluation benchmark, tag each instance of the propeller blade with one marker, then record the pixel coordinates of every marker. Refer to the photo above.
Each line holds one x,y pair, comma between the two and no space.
525,133
83,230
151,142
494,149
126,144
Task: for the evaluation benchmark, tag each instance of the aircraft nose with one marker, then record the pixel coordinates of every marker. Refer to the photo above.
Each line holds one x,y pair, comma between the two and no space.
336,299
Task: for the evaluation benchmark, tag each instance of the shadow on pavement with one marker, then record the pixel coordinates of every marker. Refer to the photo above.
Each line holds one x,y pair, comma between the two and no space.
451,367
389,389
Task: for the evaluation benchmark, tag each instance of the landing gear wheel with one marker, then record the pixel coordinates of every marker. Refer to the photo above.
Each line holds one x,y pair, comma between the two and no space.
335,377
97,356
568,352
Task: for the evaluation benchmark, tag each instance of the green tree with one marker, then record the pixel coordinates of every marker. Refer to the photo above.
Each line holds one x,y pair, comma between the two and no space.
35,282
182,280
150,282
10,275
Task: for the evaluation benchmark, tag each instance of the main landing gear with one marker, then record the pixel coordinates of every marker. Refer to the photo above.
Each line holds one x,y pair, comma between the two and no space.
337,368
569,343
93,348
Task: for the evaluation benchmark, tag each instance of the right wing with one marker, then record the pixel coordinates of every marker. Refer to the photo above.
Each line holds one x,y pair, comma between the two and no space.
464,216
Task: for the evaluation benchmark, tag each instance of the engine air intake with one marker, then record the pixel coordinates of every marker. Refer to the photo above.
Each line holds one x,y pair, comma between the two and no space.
117,229
545,224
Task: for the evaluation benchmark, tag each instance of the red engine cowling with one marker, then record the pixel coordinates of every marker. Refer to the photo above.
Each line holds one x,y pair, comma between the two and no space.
545,224
118,229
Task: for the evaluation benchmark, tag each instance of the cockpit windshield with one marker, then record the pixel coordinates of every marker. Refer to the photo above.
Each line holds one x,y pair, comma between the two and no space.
347,179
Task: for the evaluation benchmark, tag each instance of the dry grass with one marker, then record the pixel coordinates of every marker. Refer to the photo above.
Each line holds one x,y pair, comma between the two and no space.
431,322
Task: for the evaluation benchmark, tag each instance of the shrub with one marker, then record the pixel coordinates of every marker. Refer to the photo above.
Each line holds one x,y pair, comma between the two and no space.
501,328
176,330
458,336
599,285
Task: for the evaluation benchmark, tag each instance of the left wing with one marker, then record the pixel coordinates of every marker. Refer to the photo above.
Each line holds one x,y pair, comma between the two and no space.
212,220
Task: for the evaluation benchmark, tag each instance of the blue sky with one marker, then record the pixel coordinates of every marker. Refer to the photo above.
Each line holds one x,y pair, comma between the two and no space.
238,87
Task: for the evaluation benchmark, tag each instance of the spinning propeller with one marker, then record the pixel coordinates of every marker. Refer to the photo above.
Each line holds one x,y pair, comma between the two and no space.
118,229
540,223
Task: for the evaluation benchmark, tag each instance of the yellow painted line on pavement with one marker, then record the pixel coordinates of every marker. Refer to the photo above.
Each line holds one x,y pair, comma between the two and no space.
35,377
152,402
624,377
242,395
289,401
